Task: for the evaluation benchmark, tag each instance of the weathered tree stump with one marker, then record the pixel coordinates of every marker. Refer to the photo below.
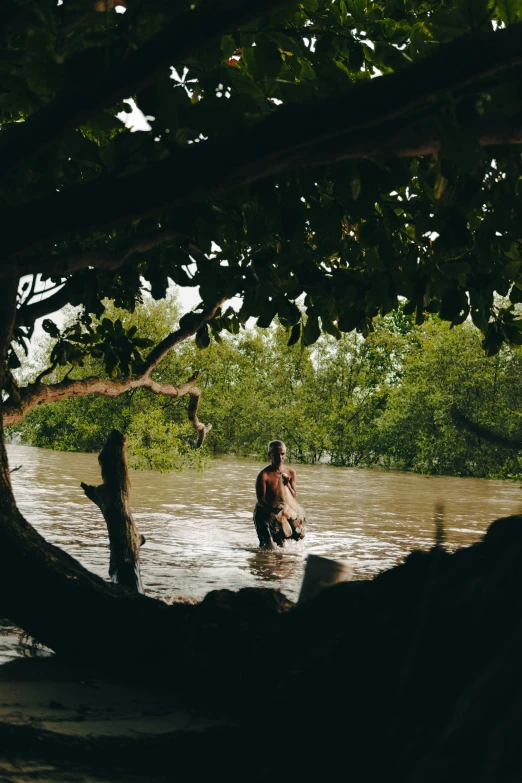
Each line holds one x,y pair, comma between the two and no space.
112,498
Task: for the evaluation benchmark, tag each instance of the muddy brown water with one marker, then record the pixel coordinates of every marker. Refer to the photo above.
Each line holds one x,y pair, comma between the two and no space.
199,529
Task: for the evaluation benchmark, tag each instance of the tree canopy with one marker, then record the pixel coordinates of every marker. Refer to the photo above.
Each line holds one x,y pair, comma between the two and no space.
349,153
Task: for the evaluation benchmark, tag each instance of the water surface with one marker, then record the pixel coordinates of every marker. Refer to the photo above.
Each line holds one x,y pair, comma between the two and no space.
199,529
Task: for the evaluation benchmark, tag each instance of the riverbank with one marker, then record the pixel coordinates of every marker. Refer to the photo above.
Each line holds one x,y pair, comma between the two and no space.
63,722
411,677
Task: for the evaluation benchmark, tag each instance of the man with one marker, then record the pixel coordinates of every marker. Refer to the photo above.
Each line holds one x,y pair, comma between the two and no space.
277,515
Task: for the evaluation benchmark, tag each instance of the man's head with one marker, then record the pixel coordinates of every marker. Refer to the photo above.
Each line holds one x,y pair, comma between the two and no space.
277,452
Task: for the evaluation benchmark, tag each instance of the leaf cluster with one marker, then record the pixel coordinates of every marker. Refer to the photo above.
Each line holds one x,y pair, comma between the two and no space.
349,239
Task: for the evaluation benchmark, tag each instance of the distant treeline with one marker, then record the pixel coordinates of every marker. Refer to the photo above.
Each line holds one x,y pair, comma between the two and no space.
424,399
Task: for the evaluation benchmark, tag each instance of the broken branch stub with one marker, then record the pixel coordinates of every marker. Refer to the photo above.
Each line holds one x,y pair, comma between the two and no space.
112,498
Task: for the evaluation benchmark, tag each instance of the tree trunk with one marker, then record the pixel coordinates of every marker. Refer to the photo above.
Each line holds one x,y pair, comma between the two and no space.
46,591
112,498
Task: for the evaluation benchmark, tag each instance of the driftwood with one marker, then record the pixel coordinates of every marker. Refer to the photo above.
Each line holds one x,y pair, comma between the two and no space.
112,498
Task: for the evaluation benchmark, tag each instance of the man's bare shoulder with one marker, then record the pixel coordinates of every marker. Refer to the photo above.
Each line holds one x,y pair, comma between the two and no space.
291,472
265,471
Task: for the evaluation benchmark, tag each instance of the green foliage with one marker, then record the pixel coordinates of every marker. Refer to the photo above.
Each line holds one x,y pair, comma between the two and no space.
108,340
441,231
160,437
391,400
445,375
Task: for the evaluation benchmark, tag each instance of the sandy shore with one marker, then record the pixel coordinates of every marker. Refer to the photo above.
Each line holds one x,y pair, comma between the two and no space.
58,722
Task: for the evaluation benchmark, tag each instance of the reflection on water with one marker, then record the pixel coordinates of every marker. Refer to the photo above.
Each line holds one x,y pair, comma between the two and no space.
276,566
199,529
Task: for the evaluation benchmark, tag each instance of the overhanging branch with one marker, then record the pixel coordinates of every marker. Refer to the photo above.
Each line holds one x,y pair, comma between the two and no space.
406,139
27,314
38,393
186,35
486,433
108,260
389,115
188,327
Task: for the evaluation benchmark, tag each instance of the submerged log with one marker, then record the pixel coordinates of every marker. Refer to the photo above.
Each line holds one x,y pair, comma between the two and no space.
112,498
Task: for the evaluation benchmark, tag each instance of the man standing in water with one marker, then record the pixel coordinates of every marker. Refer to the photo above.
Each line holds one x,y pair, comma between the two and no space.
277,515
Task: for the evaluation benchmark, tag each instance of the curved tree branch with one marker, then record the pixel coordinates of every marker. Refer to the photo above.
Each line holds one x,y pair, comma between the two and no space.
372,118
108,260
38,393
27,314
189,325
185,35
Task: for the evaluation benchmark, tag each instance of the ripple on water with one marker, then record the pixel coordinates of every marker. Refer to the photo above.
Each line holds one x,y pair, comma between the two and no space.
199,529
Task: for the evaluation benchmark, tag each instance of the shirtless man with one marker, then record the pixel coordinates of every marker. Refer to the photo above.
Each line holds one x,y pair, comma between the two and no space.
270,504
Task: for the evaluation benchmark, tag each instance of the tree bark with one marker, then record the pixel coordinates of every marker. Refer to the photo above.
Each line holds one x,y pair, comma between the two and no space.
38,393
47,592
112,498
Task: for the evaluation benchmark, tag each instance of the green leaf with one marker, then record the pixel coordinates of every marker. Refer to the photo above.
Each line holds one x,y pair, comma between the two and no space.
51,328
312,330
294,46
421,41
457,270
388,55
476,13
13,362
268,313
493,340
513,334
294,335
454,306
509,11
445,25
350,319
203,337
329,326
263,59
228,46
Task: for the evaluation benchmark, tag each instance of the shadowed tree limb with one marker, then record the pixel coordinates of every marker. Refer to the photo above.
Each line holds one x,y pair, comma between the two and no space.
27,314
205,171
108,260
485,432
185,35
369,119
